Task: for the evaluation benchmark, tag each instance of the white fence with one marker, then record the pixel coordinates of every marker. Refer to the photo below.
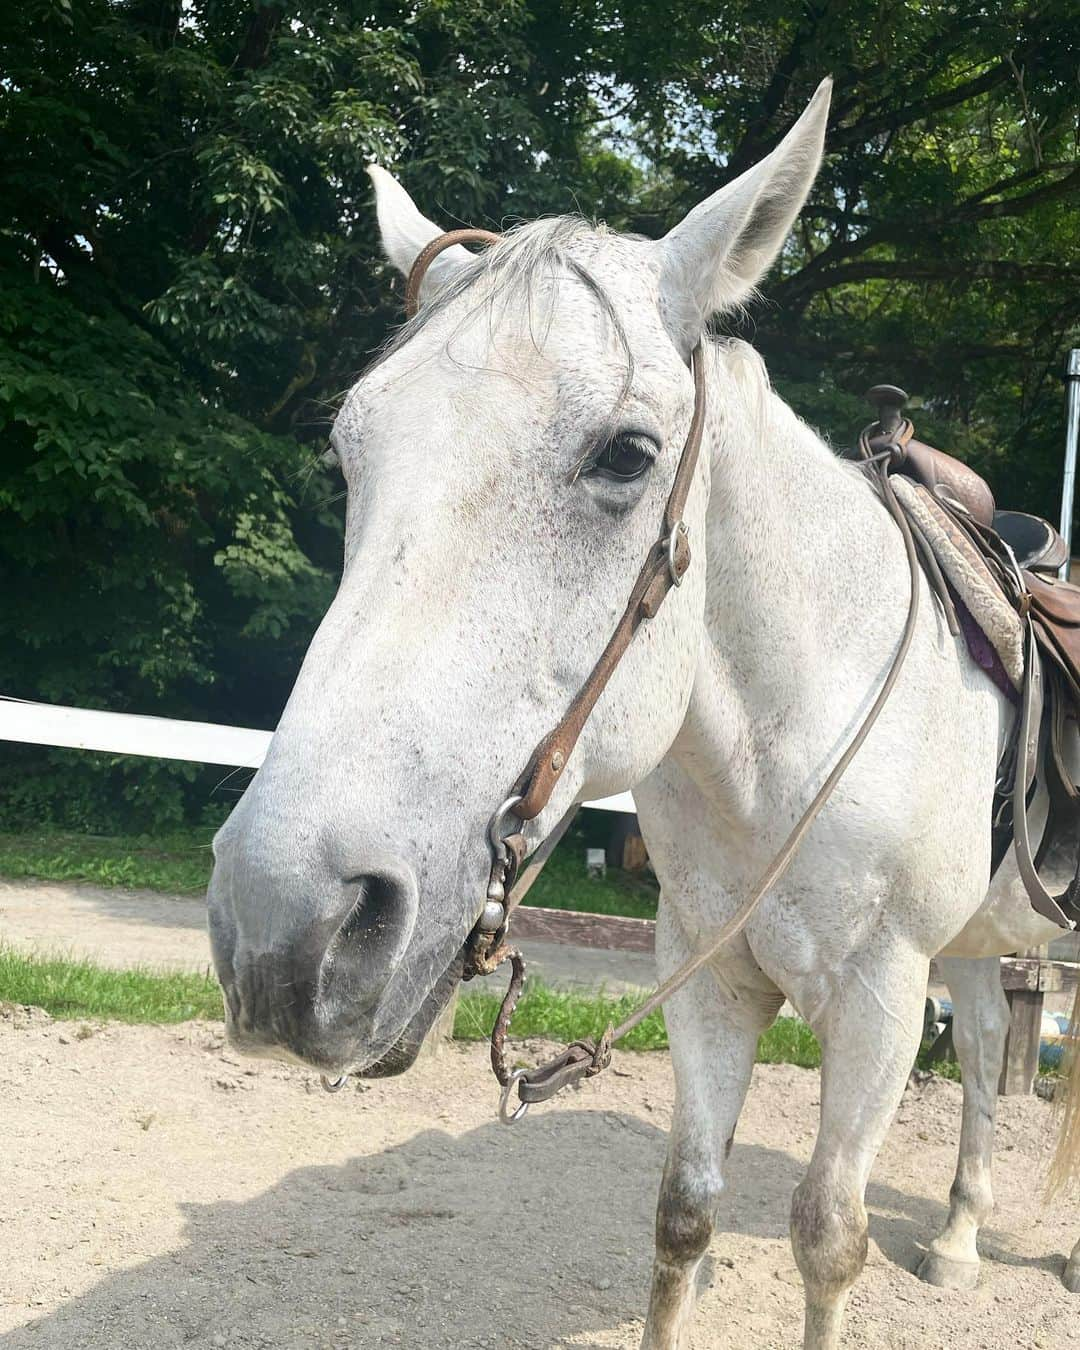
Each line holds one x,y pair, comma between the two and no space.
158,738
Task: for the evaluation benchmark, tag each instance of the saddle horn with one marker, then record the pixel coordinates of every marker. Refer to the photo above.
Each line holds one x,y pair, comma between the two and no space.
888,400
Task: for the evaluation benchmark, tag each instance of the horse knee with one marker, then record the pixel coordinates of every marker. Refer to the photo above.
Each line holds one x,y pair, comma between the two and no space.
828,1235
684,1218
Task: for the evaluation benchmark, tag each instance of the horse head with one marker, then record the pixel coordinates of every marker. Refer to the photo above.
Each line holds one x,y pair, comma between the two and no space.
508,458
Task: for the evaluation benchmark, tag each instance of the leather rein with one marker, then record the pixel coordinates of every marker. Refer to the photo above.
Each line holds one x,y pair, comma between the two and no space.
664,568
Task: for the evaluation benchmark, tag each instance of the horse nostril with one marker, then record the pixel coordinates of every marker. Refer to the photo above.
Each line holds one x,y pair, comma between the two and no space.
371,936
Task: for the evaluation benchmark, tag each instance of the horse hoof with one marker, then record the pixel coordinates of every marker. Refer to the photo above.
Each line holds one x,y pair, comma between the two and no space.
946,1273
1071,1277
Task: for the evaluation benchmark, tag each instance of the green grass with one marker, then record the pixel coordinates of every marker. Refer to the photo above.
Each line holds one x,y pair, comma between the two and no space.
180,864
564,884
789,1041
561,1016
571,1016
80,990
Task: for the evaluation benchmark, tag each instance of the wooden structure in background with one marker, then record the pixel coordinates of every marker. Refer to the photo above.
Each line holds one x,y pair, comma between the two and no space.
575,929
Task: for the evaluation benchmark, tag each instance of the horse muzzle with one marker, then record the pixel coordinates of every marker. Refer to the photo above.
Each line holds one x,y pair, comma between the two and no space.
306,981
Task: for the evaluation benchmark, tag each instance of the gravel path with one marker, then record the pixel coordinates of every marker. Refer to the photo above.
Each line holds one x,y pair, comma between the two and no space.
160,1193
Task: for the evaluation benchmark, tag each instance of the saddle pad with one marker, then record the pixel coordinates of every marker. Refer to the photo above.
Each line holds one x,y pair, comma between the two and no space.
968,575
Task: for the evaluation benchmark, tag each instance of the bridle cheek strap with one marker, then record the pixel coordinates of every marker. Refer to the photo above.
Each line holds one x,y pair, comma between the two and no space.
664,567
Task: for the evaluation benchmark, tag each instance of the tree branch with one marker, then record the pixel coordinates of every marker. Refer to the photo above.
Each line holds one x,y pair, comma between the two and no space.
896,269
807,280
1017,206
750,148
785,344
874,122
1004,184
263,24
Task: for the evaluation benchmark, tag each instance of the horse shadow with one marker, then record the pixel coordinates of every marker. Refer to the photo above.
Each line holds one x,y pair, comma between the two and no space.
529,1237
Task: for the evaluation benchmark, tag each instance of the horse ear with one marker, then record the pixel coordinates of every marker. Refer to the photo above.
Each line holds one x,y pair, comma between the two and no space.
405,231
718,253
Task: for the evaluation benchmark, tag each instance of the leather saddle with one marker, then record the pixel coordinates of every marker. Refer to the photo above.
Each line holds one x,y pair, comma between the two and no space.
1024,553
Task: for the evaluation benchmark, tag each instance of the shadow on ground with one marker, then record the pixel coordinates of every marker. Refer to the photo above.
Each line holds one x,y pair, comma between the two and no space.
456,1241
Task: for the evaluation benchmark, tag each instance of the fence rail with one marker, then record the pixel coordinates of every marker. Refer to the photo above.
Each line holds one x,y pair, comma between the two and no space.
160,738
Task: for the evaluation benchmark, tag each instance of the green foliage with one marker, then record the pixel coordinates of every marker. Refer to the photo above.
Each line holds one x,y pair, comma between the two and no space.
939,247
189,279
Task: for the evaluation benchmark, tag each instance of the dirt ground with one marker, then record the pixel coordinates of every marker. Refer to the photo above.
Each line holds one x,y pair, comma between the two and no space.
160,1191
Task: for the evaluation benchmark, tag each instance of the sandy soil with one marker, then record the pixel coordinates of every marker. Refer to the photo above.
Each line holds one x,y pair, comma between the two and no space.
162,1192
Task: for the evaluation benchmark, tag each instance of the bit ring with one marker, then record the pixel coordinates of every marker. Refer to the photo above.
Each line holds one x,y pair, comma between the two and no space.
509,1117
495,836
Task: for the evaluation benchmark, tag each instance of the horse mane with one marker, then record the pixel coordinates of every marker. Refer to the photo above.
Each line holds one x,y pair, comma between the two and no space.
537,252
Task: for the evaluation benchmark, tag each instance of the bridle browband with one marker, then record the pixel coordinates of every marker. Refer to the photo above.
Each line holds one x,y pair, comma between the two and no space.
664,568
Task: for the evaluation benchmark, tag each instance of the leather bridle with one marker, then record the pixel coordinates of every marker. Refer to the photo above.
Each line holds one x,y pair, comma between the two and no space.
664,568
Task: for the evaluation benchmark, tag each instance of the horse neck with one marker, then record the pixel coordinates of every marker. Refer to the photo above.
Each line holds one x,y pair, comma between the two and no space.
789,532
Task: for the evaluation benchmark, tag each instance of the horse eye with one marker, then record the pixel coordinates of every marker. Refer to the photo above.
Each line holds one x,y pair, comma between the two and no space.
624,458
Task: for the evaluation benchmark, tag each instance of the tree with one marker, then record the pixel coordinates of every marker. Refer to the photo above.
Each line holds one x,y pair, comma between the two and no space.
941,246
191,279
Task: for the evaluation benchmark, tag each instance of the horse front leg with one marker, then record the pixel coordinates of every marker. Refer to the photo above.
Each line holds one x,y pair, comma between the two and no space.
980,1024
713,1043
869,1028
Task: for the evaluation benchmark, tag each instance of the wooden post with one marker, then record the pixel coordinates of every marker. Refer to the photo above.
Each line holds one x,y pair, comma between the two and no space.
635,855
626,848
1025,997
1022,1042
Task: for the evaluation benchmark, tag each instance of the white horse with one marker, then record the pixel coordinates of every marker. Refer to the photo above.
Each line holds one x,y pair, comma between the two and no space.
507,463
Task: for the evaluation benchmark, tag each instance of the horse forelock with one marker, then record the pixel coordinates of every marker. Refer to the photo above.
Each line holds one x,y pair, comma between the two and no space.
520,276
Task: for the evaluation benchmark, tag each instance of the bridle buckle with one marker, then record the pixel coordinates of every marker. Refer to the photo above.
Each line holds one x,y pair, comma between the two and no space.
678,552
